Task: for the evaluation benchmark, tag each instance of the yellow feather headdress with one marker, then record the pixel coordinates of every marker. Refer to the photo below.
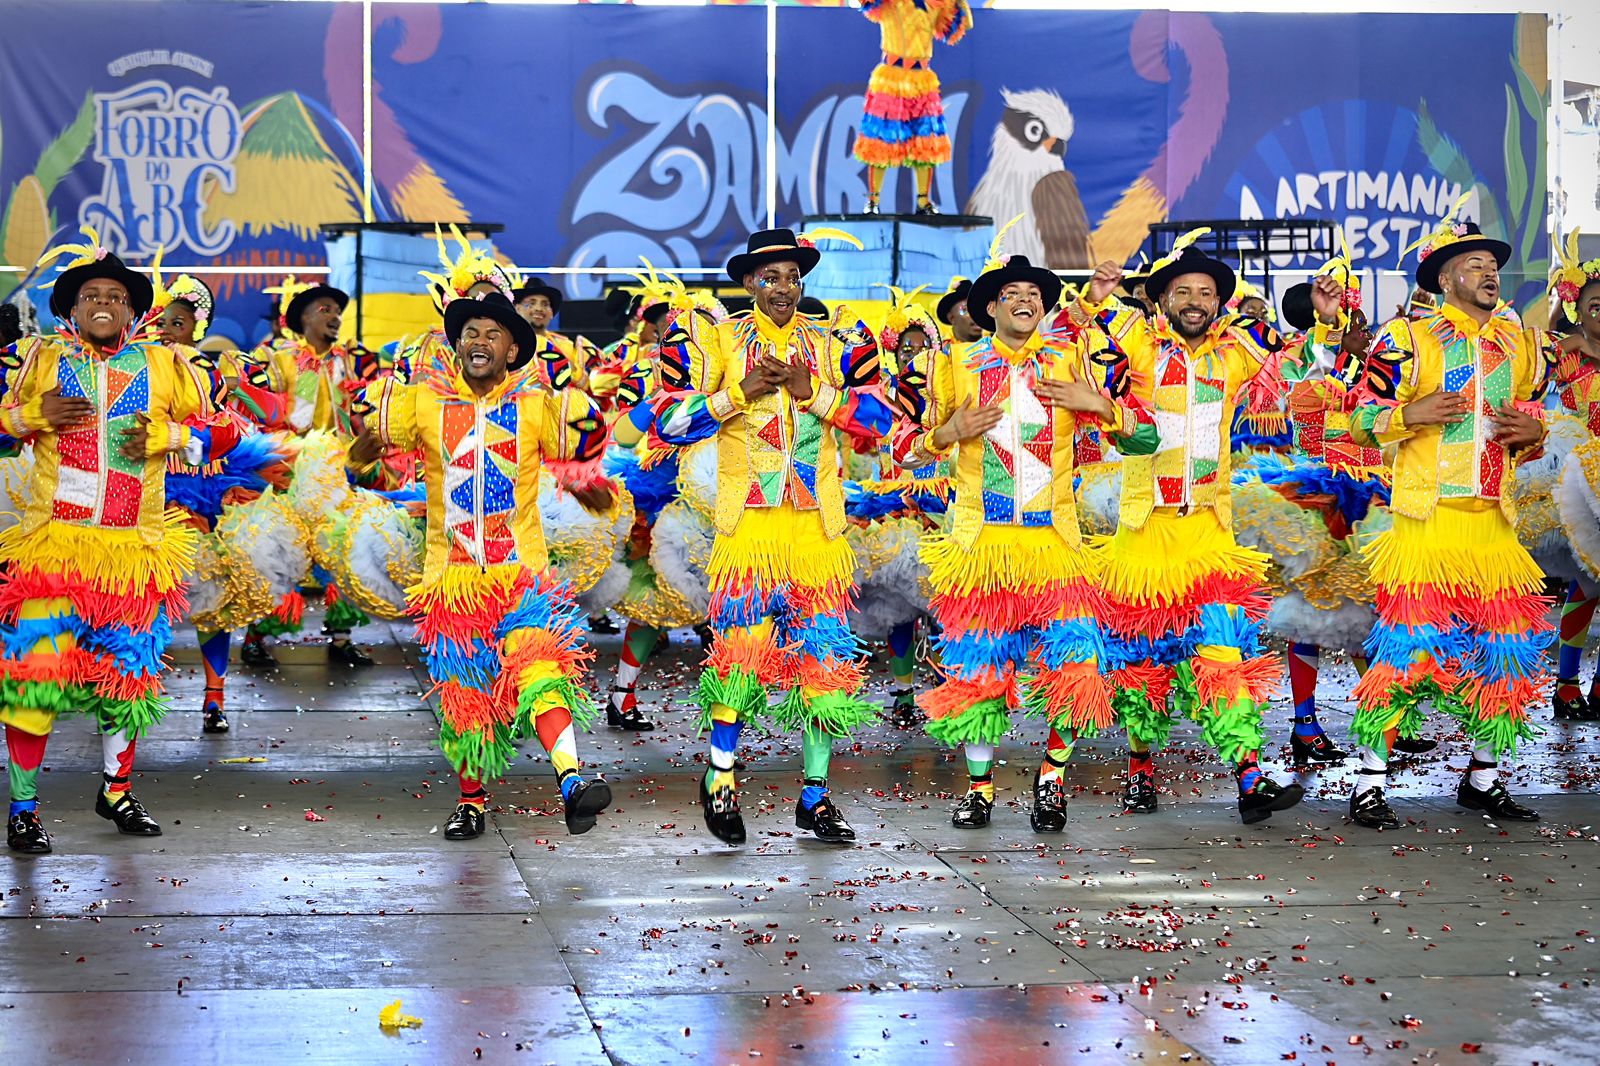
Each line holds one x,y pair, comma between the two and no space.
904,313
189,289
994,260
83,254
1177,249
1449,230
810,237
1570,276
467,268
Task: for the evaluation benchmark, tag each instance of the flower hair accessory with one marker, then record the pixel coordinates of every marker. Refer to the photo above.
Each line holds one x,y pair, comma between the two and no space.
191,290
1567,280
904,314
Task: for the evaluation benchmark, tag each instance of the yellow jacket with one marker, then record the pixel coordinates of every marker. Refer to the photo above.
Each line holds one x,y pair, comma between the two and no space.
80,477
482,456
1501,361
1193,395
791,454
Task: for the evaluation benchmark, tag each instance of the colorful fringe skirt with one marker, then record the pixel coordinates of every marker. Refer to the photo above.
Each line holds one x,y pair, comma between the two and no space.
1462,623
1184,609
85,620
780,594
503,646
903,124
1017,612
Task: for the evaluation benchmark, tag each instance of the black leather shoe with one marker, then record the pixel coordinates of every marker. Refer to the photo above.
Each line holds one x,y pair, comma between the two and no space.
631,720
255,653
1494,801
721,809
972,812
348,654
464,823
1049,806
704,634
214,721
586,801
131,817
602,623
825,821
25,833
1318,749
1413,745
927,209
1139,794
1582,709
1370,809
904,713
1266,797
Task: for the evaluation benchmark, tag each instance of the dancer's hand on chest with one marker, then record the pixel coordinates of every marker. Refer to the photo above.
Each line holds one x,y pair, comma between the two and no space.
967,423
63,411
1074,396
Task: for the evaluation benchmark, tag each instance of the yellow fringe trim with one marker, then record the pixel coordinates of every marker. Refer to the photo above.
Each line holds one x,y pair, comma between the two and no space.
109,560
779,544
1170,554
463,588
1012,558
1458,546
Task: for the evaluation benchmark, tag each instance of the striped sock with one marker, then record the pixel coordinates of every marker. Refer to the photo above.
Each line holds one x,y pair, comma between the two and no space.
26,752
1303,667
1577,615
1057,752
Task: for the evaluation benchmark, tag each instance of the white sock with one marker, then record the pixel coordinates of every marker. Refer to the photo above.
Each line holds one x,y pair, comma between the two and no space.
1374,770
1483,779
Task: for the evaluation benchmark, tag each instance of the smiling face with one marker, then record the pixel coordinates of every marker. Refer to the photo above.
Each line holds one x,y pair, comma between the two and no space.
1191,304
1471,281
536,311
1253,307
484,351
102,311
176,324
777,288
1018,309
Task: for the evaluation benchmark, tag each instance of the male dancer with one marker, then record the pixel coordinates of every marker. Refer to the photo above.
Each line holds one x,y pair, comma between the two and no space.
92,575
500,632
1185,600
1014,584
773,387
1461,618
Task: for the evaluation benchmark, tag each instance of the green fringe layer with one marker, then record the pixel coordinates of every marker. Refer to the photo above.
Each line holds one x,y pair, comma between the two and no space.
1500,733
739,690
133,717
483,753
836,713
1142,719
344,616
985,722
572,696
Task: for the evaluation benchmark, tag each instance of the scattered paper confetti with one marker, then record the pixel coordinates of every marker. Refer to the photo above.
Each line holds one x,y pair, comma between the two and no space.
391,1019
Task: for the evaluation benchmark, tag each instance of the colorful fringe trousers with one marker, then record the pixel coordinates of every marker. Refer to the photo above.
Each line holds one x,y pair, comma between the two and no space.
780,591
903,121
1018,617
504,647
1184,607
1461,624
85,620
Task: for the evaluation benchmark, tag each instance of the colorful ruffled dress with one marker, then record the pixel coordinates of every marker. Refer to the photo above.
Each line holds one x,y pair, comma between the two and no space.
903,121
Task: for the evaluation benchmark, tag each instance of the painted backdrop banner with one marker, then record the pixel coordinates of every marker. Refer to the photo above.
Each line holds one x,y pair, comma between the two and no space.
598,134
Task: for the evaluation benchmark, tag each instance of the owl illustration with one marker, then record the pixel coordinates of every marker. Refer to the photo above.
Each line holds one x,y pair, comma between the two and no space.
1027,175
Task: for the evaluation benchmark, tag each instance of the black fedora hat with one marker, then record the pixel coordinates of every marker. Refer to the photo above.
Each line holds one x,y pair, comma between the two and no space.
1191,261
496,308
1461,239
308,296
535,286
947,303
772,246
64,293
987,288
1298,311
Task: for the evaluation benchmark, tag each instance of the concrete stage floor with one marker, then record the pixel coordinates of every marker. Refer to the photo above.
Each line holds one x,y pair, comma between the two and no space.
252,934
